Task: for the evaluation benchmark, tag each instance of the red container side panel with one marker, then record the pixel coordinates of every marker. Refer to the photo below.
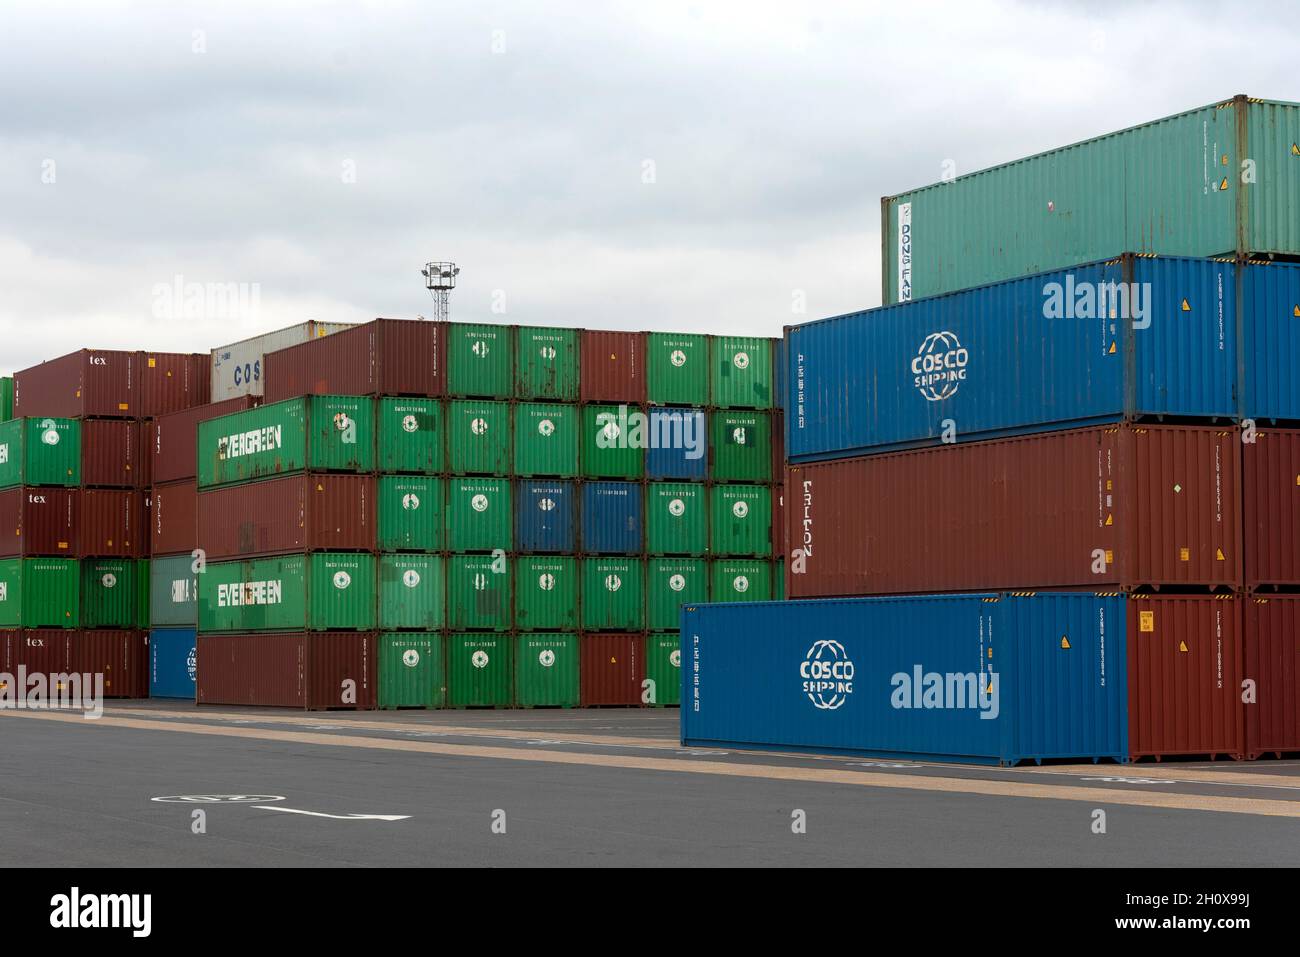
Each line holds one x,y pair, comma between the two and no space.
90,382
296,670
383,357
121,656
341,671
111,456
1272,654
112,524
612,669
1271,490
171,381
613,367
40,522
173,518
173,438
46,651
296,513
1184,676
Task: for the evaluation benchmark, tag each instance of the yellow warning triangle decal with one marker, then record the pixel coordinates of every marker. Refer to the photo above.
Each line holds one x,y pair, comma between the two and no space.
1111,350
1295,149
1182,646
1296,312
1110,520
1187,306
1065,643
989,689
1218,554
1224,184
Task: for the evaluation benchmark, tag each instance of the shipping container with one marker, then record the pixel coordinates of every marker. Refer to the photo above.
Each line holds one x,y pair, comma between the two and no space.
545,516
741,579
313,512
173,438
112,455
613,516
324,433
173,662
778,444
40,593
546,363
1173,186
1184,676
479,516
173,592
677,518
547,671
671,583
546,593
677,369
678,445
1270,333
1122,506
40,651
40,521
968,678
613,670
412,670
316,671
663,670
412,592
613,367
740,446
613,594
1271,645
612,442
478,592
545,439
112,524
411,513
169,382
120,655
174,518
480,360
1271,497
409,435
114,592
1025,355
740,520
778,521
82,383
40,452
778,582
324,591
383,357
236,369
478,437
480,671
742,373
780,391
6,398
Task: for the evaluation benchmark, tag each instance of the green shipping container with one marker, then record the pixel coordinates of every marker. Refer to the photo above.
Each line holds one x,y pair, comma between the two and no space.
40,593
412,670
478,592
778,581
663,670
478,437
741,520
411,509
480,360
409,436
546,671
546,363
6,398
677,518
1223,179
40,452
480,671
173,592
546,593
326,433
546,439
742,373
411,592
479,518
319,592
115,593
613,441
740,446
742,580
671,583
677,369
613,594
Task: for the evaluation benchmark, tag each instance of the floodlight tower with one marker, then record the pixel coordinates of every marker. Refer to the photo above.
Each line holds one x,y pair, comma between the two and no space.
440,280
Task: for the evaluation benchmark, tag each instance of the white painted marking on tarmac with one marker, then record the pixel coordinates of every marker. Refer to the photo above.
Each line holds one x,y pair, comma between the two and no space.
217,798
1129,780
335,817
877,764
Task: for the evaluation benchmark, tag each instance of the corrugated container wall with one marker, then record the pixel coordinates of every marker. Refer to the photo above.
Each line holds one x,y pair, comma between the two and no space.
323,591
174,517
480,670
546,593
236,369
741,373
411,513
173,663
297,513
112,453
1270,331
409,435
546,363
111,524
173,438
6,398
38,650
546,671
613,517
412,670
677,369
383,357
663,671
114,593
679,444
480,360
478,437
40,452
1271,642
121,656
545,439
545,516
40,521
613,669
87,382
613,367
173,591
1271,493
40,593
169,382
319,671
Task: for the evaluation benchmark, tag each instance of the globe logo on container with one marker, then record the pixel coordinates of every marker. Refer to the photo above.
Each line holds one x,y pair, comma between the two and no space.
109,580
677,358
613,582
546,582
675,658
739,435
677,582
479,659
480,349
610,432
410,424
410,657
546,427
192,664
51,434
546,658
342,580
410,578
410,501
676,507
740,509
741,360
479,503
939,366
479,426
548,352
740,583
827,673
546,504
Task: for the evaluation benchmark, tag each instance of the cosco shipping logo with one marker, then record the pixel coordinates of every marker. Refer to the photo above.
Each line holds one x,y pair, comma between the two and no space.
939,366
827,674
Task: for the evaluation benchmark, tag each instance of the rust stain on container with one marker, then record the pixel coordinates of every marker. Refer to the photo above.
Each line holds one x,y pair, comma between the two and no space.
88,382
171,381
120,655
39,521
173,518
1105,507
1271,643
296,513
316,671
383,357
112,524
1271,491
111,455
612,669
173,438
613,367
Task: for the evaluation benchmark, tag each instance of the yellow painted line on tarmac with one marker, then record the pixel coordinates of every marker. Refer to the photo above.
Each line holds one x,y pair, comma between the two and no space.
990,788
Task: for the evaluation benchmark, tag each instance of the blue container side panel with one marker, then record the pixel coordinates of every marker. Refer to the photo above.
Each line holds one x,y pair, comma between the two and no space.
544,516
172,662
613,516
685,456
1270,298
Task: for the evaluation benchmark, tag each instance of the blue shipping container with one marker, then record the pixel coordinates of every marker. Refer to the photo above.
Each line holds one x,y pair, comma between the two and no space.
989,679
544,516
172,663
1044,352
681,446
1270,298
613,516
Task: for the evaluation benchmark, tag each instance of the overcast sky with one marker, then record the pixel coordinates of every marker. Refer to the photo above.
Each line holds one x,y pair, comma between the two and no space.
646,165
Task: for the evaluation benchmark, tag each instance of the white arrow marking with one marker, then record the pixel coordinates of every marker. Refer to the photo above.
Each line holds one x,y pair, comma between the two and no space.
336,817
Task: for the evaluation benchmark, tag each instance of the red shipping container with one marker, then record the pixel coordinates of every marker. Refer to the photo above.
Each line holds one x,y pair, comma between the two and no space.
297,513
317,671
1271,490
44,651
1272,653
112,524
85,383
173,438
613,367
1184,676
1114,507
111,456
383,357
39,521
171,381
611,669
173,518
120,655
